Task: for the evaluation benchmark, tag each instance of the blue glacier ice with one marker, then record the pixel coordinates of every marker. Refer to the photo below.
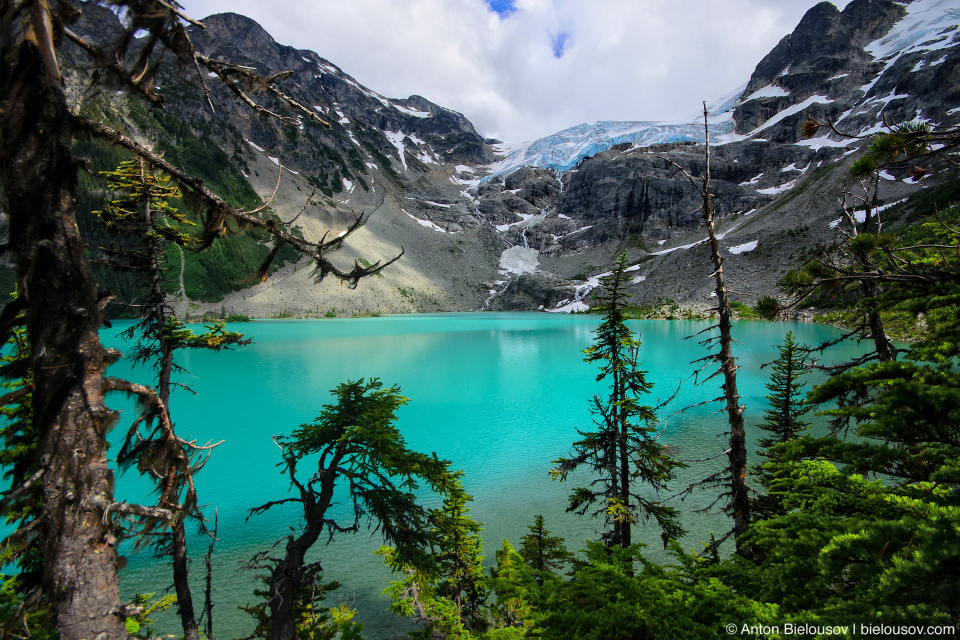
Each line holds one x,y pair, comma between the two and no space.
562,151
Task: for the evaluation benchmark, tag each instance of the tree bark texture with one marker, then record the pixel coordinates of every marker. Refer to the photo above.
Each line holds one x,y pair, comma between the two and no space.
287,575
181,573
39,175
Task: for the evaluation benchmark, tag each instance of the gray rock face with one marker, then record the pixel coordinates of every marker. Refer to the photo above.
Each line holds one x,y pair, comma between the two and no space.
826,59
637,192
538,187
533,291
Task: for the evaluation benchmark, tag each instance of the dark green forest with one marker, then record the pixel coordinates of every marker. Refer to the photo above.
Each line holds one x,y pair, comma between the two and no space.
209,274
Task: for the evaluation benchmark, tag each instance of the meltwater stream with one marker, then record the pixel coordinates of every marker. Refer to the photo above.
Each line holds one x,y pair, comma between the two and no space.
499,394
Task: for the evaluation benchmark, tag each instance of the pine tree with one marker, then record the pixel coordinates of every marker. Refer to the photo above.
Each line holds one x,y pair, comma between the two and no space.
143,225
459,559
625,449
783,420
877,513
356,447
445,591
543,552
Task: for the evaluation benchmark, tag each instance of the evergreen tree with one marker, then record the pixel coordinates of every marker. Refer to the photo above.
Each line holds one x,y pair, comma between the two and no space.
625,449
609,599
358,449
868,526
544,553
783,420
143,225
446,592
460,563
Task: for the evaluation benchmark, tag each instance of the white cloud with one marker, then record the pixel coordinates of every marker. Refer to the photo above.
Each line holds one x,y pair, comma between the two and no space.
622,59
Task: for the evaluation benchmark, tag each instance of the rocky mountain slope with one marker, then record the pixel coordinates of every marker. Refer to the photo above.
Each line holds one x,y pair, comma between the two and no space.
485,225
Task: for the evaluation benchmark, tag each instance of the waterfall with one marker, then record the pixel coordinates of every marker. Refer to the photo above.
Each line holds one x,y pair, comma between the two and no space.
494,293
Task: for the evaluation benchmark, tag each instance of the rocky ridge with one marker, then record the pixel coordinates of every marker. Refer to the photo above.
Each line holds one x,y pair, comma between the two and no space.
776,192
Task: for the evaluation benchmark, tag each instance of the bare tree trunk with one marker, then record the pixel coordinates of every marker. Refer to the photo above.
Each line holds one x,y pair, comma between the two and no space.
287,575
285,579
208,600
623,444
886,352
62,316
737,456
181,572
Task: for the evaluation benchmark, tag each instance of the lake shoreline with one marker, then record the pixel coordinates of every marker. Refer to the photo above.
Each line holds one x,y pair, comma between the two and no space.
661,312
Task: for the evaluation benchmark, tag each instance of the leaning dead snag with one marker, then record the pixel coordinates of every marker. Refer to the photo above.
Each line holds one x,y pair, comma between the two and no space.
739,505
737,454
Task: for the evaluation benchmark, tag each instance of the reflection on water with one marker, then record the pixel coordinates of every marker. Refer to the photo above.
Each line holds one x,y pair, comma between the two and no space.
498,394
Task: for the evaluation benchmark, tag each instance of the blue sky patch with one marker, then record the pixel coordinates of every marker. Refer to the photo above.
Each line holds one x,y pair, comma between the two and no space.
560,42
503,7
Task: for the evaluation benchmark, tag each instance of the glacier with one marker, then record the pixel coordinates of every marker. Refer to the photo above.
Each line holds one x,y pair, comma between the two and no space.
562,151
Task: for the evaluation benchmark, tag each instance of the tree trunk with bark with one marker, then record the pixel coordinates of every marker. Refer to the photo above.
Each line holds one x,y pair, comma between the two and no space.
60,300
737,455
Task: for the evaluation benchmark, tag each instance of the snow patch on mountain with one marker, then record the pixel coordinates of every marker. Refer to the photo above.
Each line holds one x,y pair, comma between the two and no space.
410,112
921,29
769,91
743,248
519,260
396,139
789,111
424,223
925,27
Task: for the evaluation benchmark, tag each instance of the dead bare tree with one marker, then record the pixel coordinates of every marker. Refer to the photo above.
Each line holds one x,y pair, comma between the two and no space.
737,492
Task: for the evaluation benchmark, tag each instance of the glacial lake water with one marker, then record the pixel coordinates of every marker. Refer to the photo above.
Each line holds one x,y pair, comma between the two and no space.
498,394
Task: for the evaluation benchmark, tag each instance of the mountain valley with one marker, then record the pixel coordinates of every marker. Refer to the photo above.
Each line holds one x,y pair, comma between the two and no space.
488,225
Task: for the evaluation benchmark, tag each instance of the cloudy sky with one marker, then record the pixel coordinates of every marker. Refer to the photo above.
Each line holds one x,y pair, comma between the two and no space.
521,69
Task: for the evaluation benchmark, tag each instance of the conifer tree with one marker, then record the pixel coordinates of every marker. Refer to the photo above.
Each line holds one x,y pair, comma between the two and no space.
625,449
518,590
783,420
357,448
877,513
543,552
143,225
446,591
459,559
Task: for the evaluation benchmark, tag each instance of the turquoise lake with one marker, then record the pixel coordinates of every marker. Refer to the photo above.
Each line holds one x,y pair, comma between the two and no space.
498,394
